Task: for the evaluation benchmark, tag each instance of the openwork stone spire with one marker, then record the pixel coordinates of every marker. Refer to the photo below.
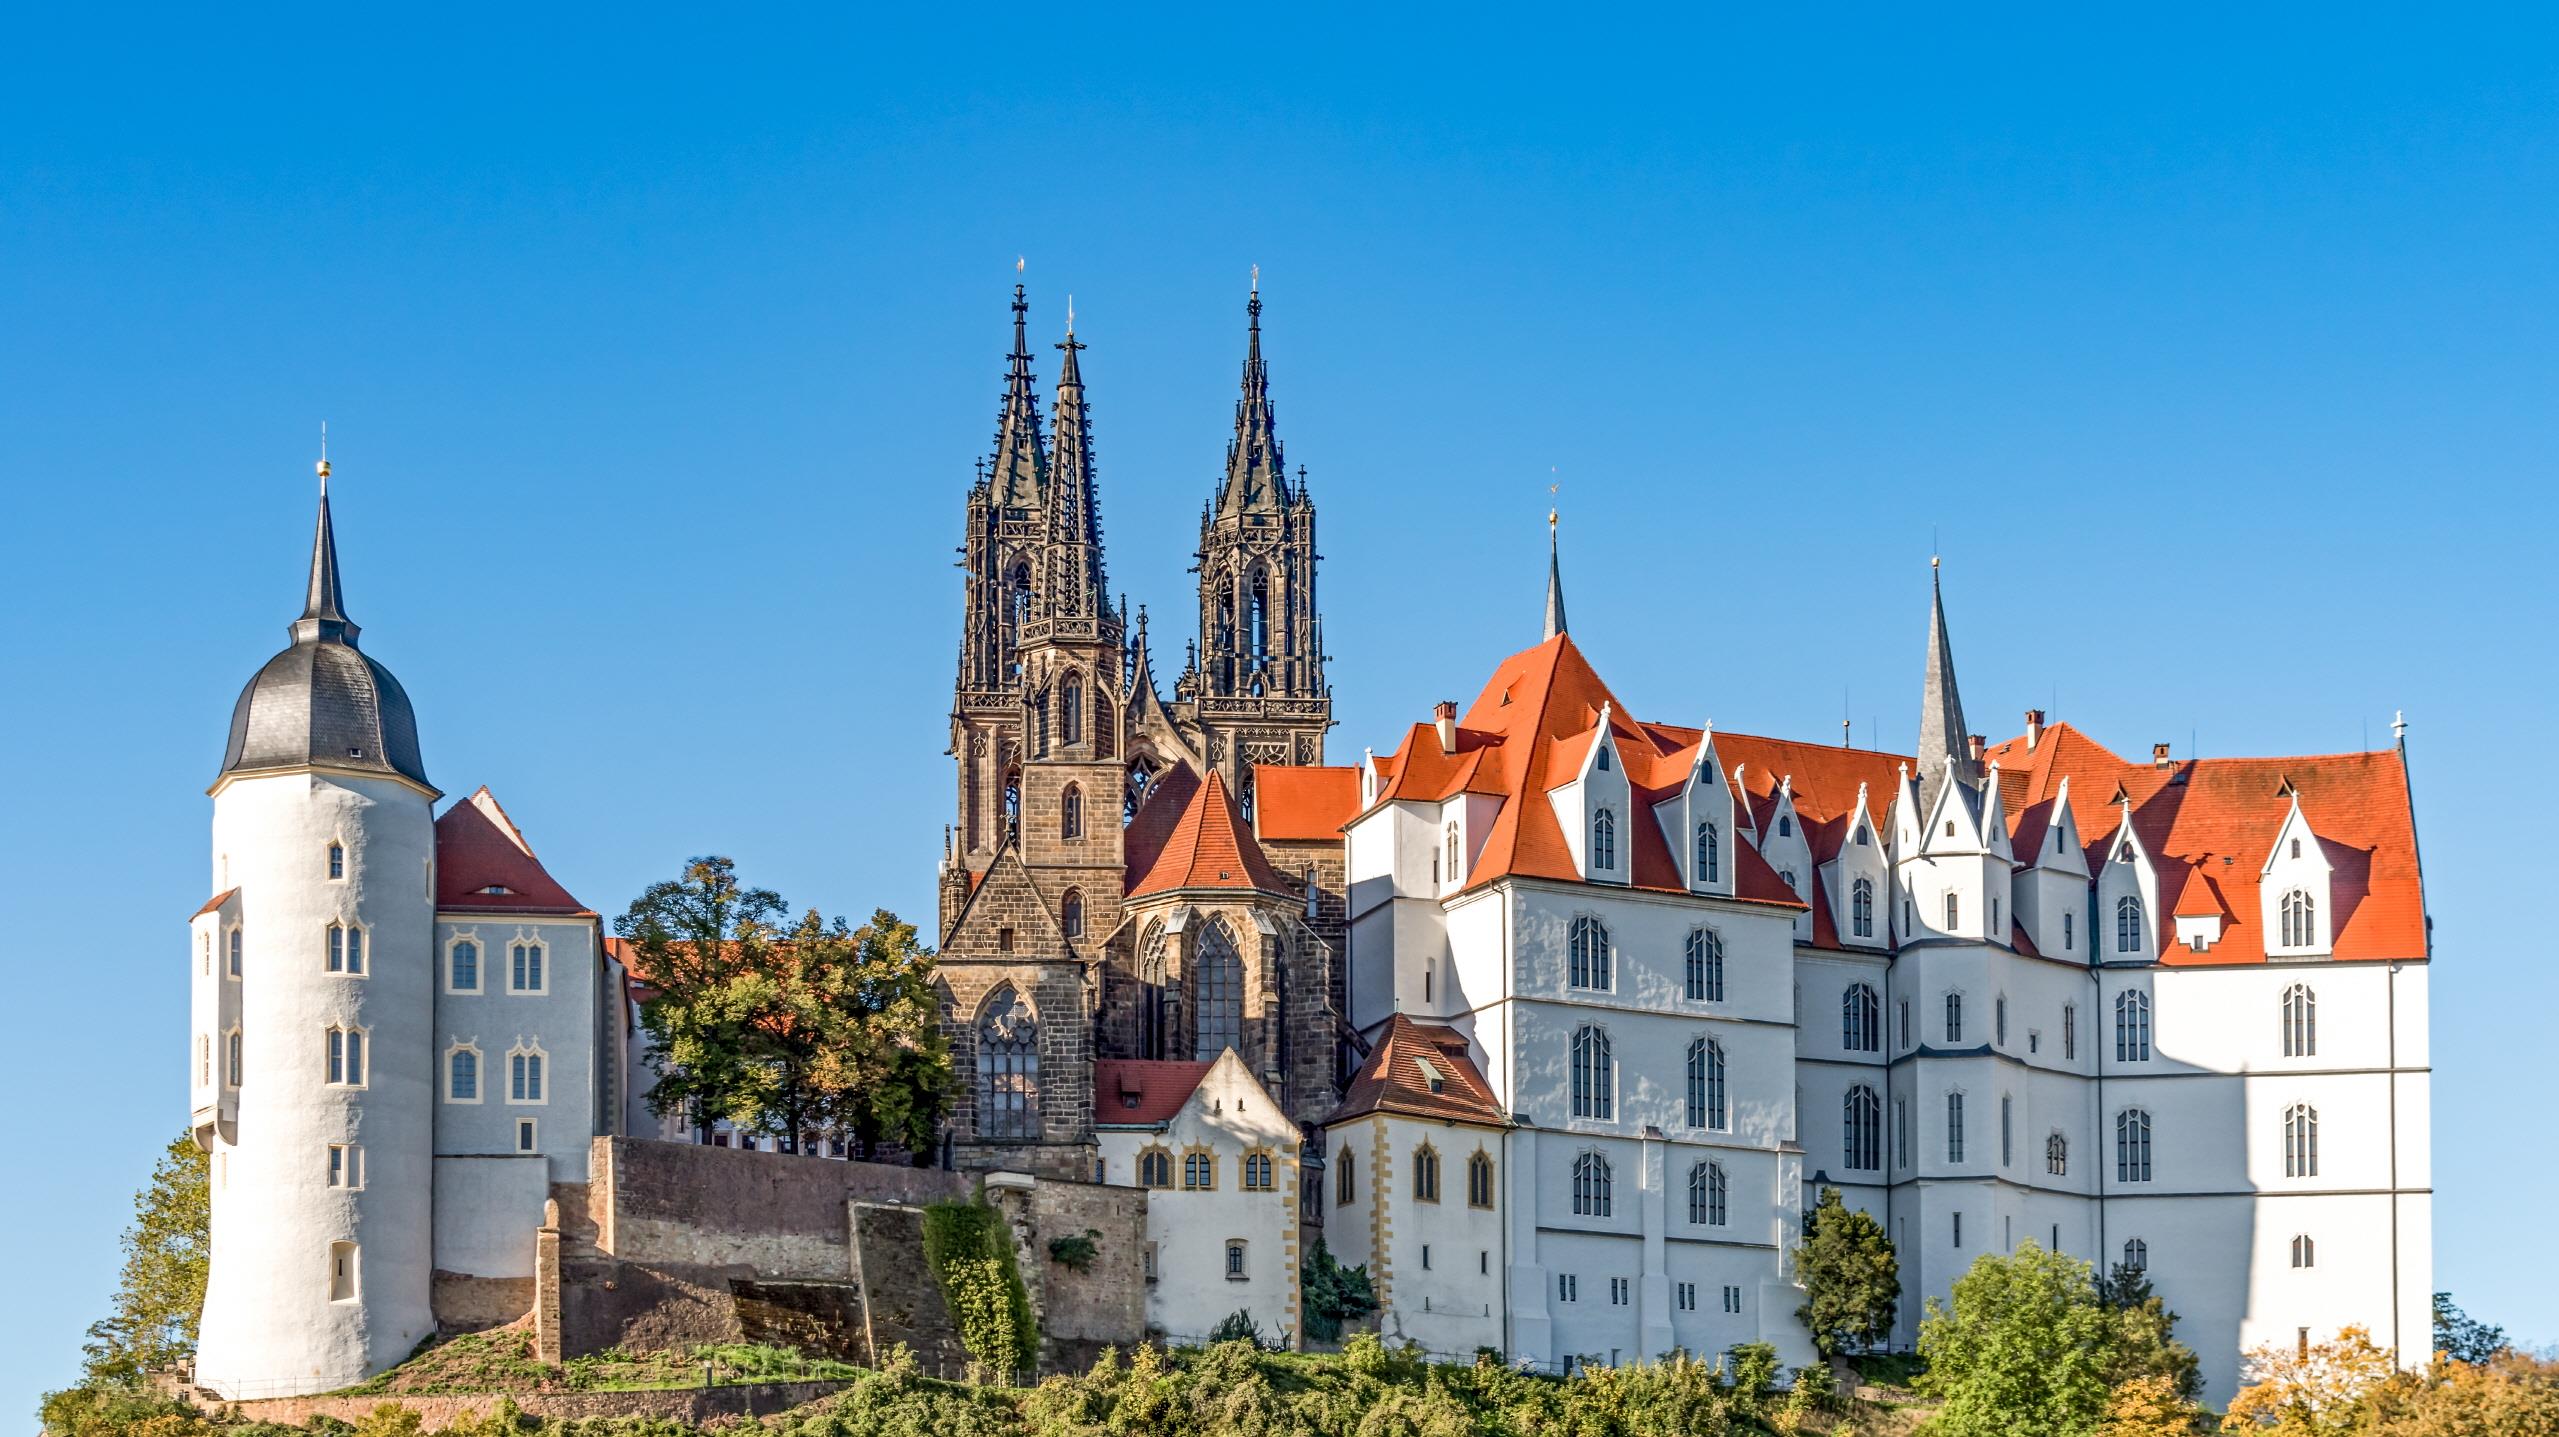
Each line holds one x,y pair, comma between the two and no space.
1076,585
1256,481
1019,473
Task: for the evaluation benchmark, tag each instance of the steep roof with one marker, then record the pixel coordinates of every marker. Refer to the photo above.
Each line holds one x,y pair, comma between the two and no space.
1208,848
1303,803
478,848
1395,1080
1142,1092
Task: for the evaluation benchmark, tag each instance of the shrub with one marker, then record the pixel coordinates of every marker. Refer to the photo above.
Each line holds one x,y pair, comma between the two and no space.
970,1250
1075,1252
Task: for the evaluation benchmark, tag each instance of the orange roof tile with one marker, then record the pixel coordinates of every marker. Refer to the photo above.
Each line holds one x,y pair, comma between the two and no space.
1393,1080
1298,803
477,848
210,904
2198,898
1142,1092
1208,848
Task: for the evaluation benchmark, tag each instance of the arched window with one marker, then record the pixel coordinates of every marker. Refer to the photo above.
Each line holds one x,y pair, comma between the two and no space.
1704,966
231,957
1954,1018
524,1075
1453,874
524,968
1008,1069
2299,911
1070,812
2132,1146
1593,1185
1155,1168
1787,877
337,860
2301,1141
1257,1172
1710,854
1706,1085
1426,1173
1479,1180
1707,1206
1954,1127
1954,912
1605,763
1199,1170
1862,1124
1594,1076
1589,966
2132,1027
1070,913
2128,924
1861,908
1861,1019
232,1067
2305,1253
462,1075
1070,709
1785,826
346,1056
1345,1183
1217,987
2136,1255
1013,804
1150,997
462,967
346,950
2057,1155
2301,1022
1261,615
1603,837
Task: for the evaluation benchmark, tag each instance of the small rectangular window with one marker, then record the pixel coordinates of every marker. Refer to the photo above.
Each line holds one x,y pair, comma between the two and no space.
337,861
342,1272
1732,1298
524,1136
346,1165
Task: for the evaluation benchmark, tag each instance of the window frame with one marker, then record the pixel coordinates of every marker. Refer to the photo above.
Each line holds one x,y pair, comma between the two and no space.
347,1061
528,1060
479,962
479,1074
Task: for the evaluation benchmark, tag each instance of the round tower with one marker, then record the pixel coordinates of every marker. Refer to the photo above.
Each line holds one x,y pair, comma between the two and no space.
315,1008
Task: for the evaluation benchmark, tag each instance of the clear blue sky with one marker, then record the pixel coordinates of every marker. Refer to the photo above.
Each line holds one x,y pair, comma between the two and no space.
2217,351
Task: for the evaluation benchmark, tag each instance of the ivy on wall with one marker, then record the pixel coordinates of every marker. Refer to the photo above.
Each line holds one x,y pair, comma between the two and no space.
970,1249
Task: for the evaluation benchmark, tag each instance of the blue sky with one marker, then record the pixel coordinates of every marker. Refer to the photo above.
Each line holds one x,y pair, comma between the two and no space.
2214,351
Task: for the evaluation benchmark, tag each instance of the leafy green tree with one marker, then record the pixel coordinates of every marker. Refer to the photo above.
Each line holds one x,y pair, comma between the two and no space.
160,1292
889,1085
2144,1342
703,941
1333,1294
2022,1351
1852,1282
2464,1338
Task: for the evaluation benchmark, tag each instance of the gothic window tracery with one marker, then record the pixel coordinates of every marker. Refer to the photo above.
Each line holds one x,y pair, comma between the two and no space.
1008,1069
1218,994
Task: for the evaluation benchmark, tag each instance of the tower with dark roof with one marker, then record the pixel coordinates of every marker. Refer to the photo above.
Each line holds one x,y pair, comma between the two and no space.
1945,745
1255,692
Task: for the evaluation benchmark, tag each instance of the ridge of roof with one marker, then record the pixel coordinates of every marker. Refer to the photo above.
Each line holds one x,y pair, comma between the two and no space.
477,847
1209,848
1147,1091
1392,1080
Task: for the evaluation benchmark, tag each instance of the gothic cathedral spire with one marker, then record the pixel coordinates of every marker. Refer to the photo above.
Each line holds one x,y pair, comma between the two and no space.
1020,472
1945,745
1073,582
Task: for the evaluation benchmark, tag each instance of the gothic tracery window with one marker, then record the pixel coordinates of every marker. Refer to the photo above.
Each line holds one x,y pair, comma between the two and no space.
1594,1076
1008,1069
1070,812
1861,1019
2299,919
1706,1107
2301,1022
1862,1128
1589,954
1070,710
1150,998
1217,988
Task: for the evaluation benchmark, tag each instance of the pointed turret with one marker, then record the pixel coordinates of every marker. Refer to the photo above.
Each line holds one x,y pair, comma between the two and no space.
1019,473
1554,581
324,616
1945,745
1075,513
1255,482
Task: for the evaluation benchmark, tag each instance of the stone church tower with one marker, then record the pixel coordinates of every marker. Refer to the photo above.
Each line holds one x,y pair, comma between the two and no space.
1103,894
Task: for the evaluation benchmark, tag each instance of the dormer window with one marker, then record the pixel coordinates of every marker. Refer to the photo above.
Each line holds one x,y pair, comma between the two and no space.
2296,848
1431,1077
1863,840
498,890
2128,924
1785,826
1603,839
2301,911
1709,854
1705,774
1604,763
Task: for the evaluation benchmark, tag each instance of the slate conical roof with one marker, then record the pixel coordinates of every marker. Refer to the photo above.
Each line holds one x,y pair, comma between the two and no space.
323,703
1945,745
1554,584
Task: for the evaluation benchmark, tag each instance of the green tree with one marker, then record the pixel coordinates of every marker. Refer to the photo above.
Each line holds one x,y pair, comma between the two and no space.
2144,1342
1852,1283
160,1292
1333,1294
2464,1338
889,1085
703,942
2021,1352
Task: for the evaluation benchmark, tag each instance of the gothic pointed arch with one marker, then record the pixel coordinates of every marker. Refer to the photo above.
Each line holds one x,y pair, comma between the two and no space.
1008,1067
1216,992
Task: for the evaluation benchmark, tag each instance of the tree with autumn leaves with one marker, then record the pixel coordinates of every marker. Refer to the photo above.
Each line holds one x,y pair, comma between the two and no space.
815,1029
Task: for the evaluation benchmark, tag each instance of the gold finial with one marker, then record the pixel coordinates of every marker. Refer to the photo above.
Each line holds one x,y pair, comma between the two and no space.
1932,561
1550,497
1018,262
324,456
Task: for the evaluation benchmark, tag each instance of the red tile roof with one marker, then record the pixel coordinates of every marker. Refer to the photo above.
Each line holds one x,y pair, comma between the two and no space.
1142,1092
1208,848
1299,803
477,847
210,904
1393,1080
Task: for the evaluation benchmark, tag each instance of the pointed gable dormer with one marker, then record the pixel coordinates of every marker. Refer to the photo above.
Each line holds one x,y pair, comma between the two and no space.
1858,882
2293,888
1697,821
2050,878
2128,917
2057,848
1783,844
1994,820
1593,804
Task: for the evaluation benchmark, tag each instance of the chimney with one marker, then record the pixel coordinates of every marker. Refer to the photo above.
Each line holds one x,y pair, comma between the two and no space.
2034,728
1979,744
2159,756
1445,715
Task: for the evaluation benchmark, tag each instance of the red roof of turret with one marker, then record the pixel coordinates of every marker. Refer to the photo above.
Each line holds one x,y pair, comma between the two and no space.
1395,1079
477,849
1208,848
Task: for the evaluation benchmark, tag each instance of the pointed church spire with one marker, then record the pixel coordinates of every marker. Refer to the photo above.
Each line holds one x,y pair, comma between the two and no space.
324,616
1075,515
1256,481
1020,461
1945,745
1554,581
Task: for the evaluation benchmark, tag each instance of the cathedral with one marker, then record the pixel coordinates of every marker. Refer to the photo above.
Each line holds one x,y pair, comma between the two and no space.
1105,898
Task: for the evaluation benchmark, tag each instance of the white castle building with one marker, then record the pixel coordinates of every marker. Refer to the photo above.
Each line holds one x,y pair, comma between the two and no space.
1632,993
404,1030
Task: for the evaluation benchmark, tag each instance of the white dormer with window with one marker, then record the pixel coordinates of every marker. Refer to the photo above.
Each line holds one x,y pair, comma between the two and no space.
1857,885
2293,890
1594,807
2051,882
2127,925
1782,843
1697,822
